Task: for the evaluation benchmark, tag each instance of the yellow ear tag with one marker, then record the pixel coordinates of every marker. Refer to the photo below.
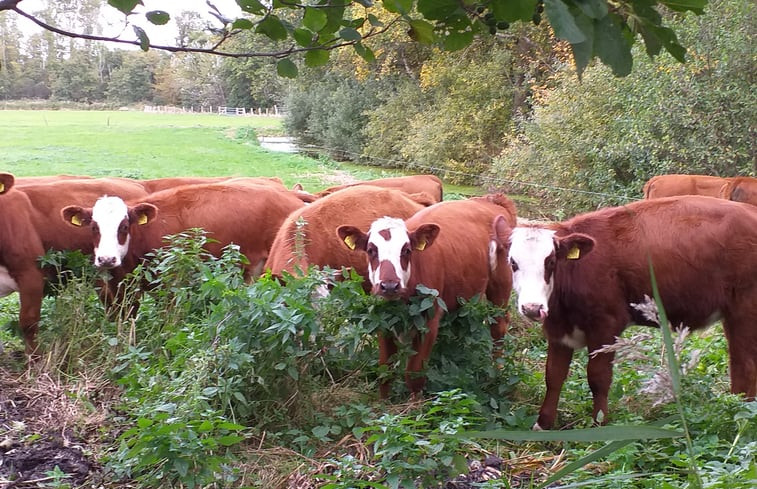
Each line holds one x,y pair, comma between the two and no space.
350,241
574,253
2,188
142,219
421,245
75,220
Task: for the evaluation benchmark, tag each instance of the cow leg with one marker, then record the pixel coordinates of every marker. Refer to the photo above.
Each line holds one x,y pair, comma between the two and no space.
387,348
558,365
422,344
31,287
599,375
742,352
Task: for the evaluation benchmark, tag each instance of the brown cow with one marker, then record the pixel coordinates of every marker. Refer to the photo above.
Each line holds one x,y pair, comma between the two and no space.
585,277
308,236
412,184
674,184
30,226
740,189
23,181
124,232
455,247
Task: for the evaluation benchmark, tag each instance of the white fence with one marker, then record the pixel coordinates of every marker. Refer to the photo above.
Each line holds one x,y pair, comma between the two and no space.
221,110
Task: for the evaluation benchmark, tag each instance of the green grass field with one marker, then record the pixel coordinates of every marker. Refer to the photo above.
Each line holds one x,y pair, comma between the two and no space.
147,145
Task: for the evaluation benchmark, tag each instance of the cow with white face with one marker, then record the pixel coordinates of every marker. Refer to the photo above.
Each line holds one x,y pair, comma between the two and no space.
110,220
456,247
584,279
124,232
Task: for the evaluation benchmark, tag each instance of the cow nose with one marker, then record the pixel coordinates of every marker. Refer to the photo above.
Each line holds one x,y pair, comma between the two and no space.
106,261
534,311
389,286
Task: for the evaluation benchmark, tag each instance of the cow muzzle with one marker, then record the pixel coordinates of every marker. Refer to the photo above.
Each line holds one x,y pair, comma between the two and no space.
388,288
106,261
534,310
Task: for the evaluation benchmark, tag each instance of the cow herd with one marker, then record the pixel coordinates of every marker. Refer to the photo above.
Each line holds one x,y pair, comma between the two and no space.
585,279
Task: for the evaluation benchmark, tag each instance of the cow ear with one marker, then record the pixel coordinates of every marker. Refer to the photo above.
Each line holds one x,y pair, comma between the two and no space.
501,231
574,246
7,180
424,236
352,237
76,215
423,198
142,214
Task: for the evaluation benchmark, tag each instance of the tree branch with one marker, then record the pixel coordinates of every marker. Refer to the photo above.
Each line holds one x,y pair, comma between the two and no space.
13,5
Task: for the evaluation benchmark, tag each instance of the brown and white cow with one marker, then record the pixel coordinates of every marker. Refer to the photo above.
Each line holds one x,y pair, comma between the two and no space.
740,189
411,184
455,247
582,278
308,236
123,232
30,226
678,184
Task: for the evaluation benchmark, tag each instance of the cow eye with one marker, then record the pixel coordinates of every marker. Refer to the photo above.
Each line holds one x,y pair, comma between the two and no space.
549,264
406,251
95,228
372,252
123,228
513,265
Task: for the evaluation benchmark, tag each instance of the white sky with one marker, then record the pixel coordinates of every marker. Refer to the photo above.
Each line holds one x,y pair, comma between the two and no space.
113,20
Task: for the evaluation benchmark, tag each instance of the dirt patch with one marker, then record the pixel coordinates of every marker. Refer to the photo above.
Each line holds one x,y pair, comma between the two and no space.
49,432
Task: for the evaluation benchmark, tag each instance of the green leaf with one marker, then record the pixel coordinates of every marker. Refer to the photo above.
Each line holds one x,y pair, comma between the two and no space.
512,10
375,21
602,433
125,6
158,17
350,34
303,37
144,41
286,68
144,422
583,51
228,440
251,6
398,6
612,47
314,19
205,426
562,21
596,9
365,3
365,52
437,9
181,466
317,57
242,24
422,31
321,432
273,28
696,6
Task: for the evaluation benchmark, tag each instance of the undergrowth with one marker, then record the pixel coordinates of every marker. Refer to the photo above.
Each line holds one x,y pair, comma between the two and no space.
228,384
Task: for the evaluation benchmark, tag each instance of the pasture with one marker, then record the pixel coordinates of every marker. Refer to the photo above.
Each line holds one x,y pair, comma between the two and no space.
218,383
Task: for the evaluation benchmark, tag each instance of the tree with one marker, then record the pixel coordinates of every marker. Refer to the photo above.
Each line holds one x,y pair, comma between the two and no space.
594,28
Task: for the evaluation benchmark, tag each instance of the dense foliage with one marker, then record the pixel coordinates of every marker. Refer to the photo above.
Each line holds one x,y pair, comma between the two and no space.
214,373
510,113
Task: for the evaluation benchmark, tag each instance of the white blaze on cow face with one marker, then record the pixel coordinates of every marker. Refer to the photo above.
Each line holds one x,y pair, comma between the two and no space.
388,243
110,219
532,258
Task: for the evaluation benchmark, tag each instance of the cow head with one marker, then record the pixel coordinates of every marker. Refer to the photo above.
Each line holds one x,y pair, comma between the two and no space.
535,255
110,220
389,247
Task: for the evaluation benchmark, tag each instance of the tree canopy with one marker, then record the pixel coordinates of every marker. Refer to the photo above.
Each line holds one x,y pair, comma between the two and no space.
313,28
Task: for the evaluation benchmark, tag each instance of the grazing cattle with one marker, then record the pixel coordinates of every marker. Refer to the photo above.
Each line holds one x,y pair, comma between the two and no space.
122,233
413,184
455,247
740,189
308,236
671,185
583,279
30,226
